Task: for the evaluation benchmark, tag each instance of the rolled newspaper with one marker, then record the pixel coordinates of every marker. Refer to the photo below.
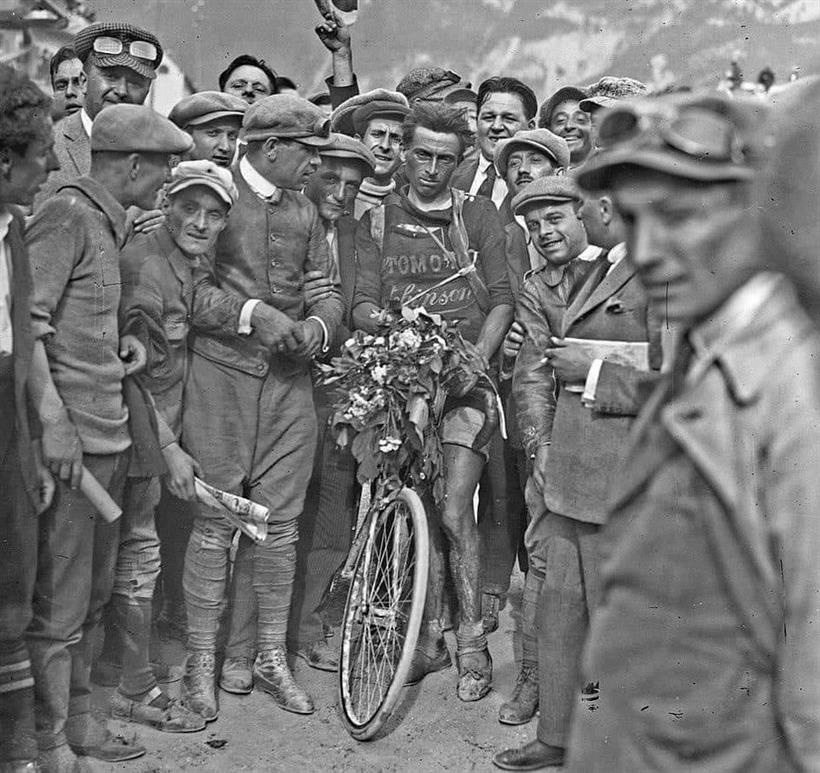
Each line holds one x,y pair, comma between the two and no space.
99,497
250,517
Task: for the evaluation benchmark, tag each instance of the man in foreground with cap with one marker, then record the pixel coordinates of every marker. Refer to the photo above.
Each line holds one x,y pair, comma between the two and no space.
80,359
157,278
562,115
375,118
325,527
249,385
213,119
427,221
119,63
706,636
505,106
575,408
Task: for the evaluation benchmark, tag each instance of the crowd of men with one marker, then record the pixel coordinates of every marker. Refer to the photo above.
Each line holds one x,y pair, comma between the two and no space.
622,262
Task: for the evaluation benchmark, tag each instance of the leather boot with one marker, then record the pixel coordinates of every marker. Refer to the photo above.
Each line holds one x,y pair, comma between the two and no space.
523,704
475,675
199,685
428,658
272,674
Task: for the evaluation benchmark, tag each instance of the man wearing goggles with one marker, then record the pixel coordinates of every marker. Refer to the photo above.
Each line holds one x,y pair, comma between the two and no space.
119,62
705,640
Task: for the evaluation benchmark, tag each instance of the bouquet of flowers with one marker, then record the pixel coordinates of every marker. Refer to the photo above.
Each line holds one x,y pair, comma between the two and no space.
392,387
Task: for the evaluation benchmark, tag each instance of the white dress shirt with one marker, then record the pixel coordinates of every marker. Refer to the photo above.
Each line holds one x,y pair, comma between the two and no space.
499,187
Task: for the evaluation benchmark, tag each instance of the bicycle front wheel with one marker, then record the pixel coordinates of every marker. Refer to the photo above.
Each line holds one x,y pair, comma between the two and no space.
383,614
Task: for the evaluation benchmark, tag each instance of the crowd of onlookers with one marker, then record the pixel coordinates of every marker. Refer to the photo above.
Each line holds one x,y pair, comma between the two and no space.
624,262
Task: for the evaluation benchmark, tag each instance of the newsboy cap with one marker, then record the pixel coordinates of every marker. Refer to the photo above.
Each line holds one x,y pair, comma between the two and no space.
126,34
563,94
286,116
609,90
352,115
708,137
206,106
342,146
429,84
543,140
137,129
186,174
546,190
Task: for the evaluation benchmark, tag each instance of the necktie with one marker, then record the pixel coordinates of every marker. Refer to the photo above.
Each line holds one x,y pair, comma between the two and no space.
486,188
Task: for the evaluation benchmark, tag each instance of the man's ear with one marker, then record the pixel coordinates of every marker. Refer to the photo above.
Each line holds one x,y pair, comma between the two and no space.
403,155
531,123
5,163
270,147
607,210
560,171
134,166
165,204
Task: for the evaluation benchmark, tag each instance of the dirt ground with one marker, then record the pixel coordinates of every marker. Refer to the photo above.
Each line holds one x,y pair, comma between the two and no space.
431,731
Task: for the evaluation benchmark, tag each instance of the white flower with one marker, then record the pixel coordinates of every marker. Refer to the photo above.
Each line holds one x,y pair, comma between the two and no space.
389,444
379,373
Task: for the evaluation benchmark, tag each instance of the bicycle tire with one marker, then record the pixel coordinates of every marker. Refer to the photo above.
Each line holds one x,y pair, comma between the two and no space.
383,615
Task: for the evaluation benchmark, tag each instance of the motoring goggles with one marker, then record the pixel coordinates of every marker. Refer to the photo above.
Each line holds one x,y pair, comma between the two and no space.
693,130
141,49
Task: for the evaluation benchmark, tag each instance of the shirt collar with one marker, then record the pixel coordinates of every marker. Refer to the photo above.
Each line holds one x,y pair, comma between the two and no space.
260,185
5,222
86,121
589,253
617,253
484,164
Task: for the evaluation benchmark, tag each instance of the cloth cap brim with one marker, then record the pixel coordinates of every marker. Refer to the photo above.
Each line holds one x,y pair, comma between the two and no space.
189,182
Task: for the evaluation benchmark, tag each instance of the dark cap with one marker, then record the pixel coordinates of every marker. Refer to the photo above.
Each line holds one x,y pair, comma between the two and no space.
429,84
708,137
206,106
609,90
563,94
342,146
554,189
346,118
542,140
126,34
137,129
286,116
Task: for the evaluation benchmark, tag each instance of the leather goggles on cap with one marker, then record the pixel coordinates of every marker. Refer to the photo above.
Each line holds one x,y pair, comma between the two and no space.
111,46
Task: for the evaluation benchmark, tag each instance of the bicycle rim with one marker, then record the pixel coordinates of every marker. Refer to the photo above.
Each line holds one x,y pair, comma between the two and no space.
383,615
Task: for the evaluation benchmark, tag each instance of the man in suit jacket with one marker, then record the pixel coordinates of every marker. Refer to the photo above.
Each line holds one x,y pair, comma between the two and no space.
505,106
111,78
707,627
26,158
575,410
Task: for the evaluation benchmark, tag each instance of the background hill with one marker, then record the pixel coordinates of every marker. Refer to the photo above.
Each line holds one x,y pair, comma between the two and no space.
544,42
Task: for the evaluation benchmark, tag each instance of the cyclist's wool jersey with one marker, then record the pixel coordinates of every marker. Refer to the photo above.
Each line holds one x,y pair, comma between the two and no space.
409,266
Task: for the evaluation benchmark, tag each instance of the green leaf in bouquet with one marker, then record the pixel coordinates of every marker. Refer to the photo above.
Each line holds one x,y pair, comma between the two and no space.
418,413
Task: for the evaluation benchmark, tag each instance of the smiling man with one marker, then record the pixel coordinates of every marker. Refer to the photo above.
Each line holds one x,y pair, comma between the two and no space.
423,222
562,115
505,106
119,63
213,119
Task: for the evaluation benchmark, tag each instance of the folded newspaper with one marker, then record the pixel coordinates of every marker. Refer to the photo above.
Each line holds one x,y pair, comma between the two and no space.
250,517
634,354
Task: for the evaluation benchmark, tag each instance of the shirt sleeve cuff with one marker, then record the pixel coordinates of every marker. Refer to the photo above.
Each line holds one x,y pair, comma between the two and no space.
591,386
245,328
325,334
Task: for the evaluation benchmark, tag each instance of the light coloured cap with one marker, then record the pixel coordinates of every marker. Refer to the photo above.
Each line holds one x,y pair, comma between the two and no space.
609,90
206,106
354,113
342,146
289,117
137,129
547,190
186,174
541,139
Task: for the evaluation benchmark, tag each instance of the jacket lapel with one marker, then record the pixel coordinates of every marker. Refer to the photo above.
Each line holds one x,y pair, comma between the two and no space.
592,294
78,144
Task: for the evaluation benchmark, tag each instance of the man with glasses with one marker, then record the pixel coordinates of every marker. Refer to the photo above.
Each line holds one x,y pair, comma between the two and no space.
119,63
705,643
424,222
562,115
249,388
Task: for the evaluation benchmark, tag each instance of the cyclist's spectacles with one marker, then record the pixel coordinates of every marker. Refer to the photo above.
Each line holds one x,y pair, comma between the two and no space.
141,49
692,130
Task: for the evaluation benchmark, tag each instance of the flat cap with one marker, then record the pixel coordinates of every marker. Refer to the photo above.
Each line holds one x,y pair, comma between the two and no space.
540,139
342,146
383,102
708,137
186,174
429,83
206,106
564,93
461,94
287,116
137,129
611,89
142,59
547,190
